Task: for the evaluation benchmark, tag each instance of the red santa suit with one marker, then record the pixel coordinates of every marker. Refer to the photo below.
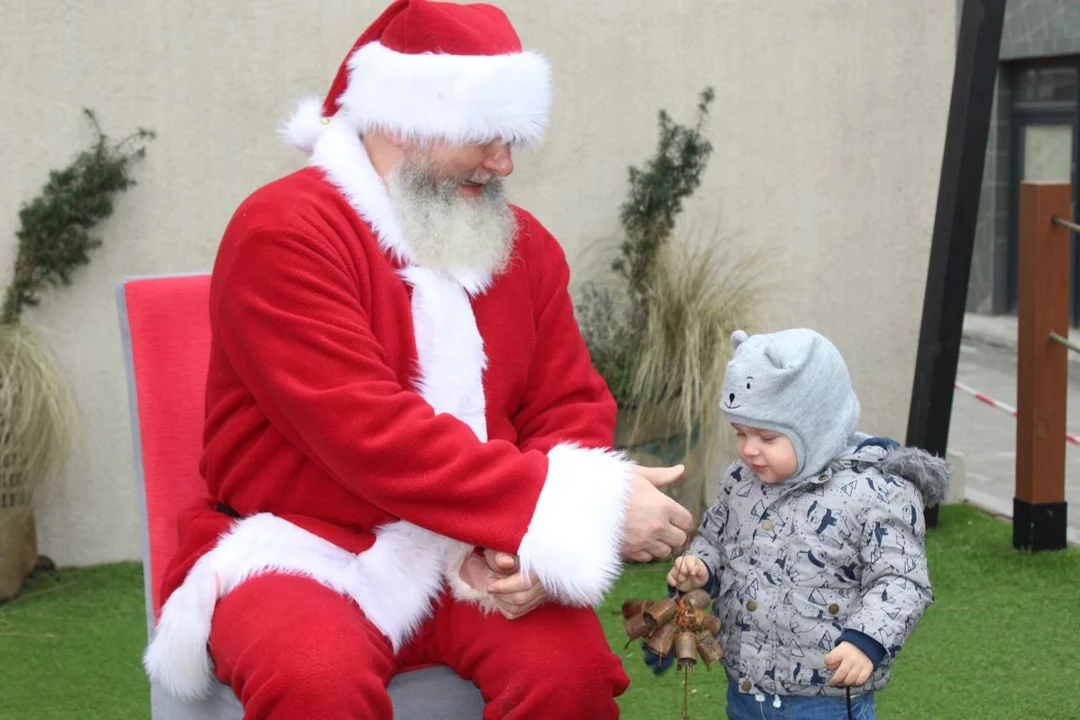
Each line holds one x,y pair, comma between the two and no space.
372,421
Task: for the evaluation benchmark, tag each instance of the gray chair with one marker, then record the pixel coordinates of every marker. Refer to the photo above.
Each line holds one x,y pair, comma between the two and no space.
166,340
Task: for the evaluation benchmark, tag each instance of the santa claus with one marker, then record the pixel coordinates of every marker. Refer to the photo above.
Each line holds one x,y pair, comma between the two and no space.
407,449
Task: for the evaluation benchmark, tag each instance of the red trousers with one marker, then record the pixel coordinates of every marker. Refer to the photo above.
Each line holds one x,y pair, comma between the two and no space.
293,649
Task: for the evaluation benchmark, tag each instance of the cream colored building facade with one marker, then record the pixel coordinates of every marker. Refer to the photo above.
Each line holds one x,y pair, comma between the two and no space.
828,128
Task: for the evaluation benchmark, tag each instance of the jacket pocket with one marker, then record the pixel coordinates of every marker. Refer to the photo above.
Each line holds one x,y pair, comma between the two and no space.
821,603
815,616
808,625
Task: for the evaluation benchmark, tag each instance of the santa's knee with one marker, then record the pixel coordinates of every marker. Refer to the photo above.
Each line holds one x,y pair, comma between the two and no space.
598,671
291,649
576,678
305,680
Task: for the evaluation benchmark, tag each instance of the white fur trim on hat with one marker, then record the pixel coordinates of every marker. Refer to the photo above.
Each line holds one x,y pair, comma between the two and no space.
459,98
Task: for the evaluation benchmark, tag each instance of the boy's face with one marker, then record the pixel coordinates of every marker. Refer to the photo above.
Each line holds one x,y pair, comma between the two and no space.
769,454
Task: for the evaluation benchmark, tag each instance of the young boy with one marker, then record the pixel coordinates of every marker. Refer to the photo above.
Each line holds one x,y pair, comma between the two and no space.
814,548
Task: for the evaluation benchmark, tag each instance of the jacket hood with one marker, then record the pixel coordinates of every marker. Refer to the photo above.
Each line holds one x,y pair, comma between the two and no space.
929,473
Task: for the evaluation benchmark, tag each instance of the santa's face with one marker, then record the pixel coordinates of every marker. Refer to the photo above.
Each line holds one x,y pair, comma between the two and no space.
471,166
452,209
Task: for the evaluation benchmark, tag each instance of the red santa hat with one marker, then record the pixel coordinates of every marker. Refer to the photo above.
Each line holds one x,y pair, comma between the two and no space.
434,70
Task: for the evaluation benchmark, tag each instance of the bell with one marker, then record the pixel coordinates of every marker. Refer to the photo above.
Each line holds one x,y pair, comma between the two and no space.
637,627
708,648
711,623
686,648
662,611
697,599
660,642
630,608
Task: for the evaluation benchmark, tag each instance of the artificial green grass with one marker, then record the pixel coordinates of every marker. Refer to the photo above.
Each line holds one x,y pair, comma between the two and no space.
70,647
1002,640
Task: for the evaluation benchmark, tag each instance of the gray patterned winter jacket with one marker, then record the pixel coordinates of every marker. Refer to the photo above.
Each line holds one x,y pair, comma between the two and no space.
793,567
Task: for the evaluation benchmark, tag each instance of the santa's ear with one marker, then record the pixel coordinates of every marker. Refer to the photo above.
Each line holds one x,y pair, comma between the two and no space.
738,338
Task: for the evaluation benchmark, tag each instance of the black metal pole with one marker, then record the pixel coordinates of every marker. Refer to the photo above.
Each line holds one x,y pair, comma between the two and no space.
977,49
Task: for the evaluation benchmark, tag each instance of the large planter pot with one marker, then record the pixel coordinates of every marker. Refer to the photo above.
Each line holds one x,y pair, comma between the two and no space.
656,442
18,535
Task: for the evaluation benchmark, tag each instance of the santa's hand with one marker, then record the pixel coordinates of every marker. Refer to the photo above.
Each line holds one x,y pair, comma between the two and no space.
655,526
517,595
475,572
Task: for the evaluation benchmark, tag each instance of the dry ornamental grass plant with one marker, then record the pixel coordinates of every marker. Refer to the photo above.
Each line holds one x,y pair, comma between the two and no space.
659,335
698,298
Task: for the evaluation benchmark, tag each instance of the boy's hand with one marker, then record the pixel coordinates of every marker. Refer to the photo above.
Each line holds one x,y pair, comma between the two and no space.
514,594
688,573
518,595
849,665
501,563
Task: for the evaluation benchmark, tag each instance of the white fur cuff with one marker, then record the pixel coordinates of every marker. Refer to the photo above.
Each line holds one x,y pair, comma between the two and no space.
574,540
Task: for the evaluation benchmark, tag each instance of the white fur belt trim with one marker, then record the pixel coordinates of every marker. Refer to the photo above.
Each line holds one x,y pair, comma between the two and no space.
394,583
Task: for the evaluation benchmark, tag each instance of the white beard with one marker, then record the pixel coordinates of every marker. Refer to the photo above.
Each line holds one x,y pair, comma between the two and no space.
447,231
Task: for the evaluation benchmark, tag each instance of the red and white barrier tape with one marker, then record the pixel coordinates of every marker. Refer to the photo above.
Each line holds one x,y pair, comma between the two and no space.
1069,437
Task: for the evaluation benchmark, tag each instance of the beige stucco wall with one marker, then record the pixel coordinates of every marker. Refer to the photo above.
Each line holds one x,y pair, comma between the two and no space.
828,128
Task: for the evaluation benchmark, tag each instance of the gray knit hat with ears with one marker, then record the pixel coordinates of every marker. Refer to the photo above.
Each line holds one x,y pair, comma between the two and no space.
793,382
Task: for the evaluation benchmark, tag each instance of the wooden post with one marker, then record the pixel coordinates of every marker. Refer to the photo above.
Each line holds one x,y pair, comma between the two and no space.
1039,509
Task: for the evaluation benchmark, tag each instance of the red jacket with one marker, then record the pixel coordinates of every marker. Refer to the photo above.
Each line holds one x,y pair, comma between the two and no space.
320,418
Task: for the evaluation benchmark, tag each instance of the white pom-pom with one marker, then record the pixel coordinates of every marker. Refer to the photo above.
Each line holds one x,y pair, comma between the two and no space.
306,125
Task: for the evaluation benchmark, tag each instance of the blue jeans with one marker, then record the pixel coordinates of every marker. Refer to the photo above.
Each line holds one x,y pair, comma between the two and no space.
741,706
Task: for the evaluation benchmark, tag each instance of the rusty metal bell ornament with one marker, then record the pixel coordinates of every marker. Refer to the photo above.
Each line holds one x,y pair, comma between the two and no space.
679,625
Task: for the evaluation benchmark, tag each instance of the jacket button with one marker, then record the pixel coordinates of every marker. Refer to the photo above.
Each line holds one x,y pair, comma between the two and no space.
751,605
767,525
823,477
833,608
746,685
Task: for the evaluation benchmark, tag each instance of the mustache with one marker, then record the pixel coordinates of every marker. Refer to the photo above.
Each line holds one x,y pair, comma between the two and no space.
483,178
424,173
446,186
